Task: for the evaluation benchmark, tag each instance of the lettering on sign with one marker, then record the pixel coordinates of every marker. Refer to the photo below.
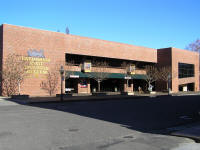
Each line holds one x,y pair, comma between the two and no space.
127,77
74,76
37,63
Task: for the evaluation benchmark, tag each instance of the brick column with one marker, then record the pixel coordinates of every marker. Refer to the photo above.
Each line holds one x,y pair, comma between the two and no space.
88,86
126,88
84,89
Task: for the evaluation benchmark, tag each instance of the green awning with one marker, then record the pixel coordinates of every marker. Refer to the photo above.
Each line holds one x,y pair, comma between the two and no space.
111,75
116,76
78,74
139,76
90,74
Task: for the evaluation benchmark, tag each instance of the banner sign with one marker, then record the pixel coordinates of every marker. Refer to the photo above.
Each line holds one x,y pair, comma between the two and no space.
87,66
131,69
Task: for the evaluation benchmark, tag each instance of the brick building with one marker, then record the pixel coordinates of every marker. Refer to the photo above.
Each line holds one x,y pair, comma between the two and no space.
45,49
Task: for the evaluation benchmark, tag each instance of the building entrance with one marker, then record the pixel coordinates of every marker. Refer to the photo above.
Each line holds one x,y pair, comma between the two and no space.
71,85
113,85
140,83
109,85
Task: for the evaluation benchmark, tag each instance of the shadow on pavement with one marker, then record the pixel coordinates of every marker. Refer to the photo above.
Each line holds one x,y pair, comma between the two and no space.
144,115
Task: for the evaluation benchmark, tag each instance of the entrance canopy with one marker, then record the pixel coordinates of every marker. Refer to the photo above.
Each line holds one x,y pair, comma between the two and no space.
78,74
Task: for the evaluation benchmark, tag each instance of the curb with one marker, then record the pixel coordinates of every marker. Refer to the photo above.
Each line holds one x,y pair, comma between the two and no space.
93,98
79,99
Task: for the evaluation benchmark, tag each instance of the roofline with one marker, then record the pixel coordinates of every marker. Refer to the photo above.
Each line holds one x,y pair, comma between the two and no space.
79,36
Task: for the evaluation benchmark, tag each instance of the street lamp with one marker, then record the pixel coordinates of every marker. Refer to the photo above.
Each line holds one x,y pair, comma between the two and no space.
62,78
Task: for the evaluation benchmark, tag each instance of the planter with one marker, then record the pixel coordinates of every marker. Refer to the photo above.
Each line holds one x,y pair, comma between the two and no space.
65,95
19,96
127,93
153,92
99,94
160,96
165,91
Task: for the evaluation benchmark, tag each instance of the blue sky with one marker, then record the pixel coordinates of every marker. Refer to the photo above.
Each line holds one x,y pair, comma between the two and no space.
149,23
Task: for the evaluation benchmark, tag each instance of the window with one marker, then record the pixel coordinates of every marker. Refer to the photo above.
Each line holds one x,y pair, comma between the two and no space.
185,70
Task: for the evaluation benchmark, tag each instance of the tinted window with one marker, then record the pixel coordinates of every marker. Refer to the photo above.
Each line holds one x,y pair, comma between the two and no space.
185,70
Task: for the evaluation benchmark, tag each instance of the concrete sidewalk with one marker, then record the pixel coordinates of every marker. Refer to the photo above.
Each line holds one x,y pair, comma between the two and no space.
5,101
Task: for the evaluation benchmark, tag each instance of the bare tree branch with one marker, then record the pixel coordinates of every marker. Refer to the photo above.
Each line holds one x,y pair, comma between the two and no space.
100,73
13,74
151,74
195,46
166,74
51,83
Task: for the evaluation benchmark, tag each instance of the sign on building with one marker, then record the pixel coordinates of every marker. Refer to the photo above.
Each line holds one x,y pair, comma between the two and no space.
37,63
131,69
87,66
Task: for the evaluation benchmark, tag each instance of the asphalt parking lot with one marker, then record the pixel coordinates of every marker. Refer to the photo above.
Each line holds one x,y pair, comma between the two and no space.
114,124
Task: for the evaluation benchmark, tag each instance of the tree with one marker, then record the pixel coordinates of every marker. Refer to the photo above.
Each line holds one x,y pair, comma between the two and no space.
194,46
51,83
67,30
124,71
13,74
100,73
165,74
151,75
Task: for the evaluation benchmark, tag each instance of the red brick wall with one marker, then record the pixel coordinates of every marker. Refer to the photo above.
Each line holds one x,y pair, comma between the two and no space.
20,39
84,89
185,56
172,56
164,59
101,48
1,54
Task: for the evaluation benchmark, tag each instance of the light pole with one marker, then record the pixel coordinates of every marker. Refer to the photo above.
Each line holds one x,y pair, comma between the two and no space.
62,78
127,78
